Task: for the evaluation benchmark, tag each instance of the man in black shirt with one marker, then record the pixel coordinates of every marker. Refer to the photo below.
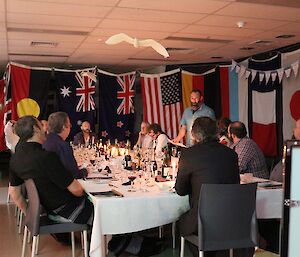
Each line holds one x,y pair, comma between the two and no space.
59,192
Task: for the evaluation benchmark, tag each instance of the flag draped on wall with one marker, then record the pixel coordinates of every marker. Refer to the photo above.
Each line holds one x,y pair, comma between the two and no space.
214,86
2,111
27,84
76,97
290,96
116,109
265,108
162,100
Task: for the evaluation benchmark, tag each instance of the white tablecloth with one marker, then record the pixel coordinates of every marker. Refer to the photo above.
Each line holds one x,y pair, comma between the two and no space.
135,212
139,211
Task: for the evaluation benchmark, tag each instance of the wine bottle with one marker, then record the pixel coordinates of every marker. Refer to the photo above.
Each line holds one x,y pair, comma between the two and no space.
166,166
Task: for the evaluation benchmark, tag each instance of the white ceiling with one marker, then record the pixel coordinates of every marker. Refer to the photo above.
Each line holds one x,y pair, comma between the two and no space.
80,28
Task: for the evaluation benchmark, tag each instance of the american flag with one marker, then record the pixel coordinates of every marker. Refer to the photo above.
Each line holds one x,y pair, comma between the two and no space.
126,82
85,91
162,100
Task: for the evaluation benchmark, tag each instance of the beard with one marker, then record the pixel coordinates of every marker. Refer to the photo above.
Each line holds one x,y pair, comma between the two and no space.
86,130
196,105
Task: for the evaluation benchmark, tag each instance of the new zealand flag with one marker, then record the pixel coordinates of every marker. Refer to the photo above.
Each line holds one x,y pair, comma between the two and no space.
116,109
76,97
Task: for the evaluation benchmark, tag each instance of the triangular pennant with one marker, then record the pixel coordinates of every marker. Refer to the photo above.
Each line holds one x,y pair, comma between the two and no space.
253,75
247,74
261,76
274,76
242,71
268,75
280,74
237,68
288,72
295,67
233,64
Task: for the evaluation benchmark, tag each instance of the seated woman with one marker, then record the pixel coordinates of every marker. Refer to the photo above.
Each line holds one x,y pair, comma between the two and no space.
160,139
223,124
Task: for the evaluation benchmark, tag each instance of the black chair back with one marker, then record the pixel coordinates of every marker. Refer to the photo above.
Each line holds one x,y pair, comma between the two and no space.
227,216
33,212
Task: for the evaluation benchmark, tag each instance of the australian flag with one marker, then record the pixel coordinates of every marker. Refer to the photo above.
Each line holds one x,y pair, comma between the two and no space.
116,107
76,91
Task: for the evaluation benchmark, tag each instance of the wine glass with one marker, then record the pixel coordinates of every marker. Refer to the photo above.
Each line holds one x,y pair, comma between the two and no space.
131,177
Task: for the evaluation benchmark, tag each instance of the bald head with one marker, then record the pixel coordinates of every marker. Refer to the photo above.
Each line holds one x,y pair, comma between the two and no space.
86,127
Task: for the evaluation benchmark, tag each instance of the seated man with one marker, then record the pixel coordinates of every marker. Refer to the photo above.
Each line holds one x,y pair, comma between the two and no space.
85,136
144,140
59,127
198,166
59,192
251,158
160,139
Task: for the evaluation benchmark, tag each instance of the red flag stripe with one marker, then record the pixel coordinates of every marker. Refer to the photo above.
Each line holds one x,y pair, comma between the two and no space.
224,84
144,99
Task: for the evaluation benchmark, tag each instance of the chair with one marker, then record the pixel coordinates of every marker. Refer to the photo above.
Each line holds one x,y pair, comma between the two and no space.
38,223
226,218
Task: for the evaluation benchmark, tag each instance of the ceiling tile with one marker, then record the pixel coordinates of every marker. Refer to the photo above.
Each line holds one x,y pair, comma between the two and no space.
291,27
206,6
80,2
213,30
17,6
260,11
51,20
141,25
62,29
250,23
40,50
44,37
43,59
153,15
26,43
2,6
104,33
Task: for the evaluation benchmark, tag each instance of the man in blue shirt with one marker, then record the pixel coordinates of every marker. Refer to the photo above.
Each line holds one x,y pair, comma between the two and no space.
59,127
197,109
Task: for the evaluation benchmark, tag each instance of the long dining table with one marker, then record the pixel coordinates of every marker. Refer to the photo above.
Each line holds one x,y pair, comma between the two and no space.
152,207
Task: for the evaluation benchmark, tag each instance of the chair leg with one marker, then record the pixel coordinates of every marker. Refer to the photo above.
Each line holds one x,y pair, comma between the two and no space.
20,222
8,196
24,242
29,237
201,253
173,234
18,216
181,246
231,252
37,244
73,243
33,246
81,239
85,242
